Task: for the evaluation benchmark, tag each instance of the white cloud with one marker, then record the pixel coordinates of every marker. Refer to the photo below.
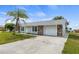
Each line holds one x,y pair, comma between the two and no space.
3,13
2,20
38,14
76,25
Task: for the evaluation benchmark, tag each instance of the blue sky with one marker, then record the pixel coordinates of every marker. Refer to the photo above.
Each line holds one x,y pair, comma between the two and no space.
44,12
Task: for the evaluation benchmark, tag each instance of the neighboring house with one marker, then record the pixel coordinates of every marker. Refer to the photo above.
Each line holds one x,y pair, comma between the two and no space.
51,27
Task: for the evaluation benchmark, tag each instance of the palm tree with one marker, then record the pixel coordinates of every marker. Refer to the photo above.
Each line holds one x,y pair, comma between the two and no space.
58,18
17,14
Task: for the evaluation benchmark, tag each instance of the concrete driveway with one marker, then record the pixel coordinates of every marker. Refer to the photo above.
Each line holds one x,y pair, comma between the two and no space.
37,45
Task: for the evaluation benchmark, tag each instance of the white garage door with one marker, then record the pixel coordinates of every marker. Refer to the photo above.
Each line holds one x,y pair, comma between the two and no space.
50,30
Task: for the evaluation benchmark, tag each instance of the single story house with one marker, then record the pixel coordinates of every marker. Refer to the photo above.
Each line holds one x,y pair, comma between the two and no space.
51,27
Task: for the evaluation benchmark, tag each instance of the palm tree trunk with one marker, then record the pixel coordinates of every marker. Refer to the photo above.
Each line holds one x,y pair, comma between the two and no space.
17,25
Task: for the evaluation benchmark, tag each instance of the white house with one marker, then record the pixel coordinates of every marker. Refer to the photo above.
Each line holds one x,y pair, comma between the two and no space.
51,27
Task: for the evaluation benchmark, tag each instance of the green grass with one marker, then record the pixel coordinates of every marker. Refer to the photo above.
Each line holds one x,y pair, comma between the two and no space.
72,44
7,37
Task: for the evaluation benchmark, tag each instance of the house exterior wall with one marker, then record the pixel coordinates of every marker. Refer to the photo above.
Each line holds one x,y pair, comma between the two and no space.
47,30
50,30
22,30
28,29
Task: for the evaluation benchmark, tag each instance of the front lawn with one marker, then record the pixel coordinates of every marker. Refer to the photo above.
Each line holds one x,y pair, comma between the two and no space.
72,44
7,37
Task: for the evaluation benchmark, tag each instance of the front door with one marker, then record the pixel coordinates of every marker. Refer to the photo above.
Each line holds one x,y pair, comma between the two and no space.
59,30
40,30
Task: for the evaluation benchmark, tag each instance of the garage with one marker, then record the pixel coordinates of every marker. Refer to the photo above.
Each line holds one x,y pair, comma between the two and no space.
50,30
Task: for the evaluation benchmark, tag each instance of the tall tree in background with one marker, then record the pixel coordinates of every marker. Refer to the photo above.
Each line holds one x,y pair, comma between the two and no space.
58,18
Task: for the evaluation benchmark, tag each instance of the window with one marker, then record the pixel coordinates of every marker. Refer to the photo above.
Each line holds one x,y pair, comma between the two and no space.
34,28
22,28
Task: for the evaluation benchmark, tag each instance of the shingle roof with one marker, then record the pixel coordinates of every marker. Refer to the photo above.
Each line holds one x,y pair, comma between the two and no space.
50,22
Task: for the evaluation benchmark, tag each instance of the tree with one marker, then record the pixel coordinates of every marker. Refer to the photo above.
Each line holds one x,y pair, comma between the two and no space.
17,15
58,18
9,26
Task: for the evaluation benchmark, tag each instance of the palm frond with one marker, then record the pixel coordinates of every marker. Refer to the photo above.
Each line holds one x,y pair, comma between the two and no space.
12,13
24,21
13,19
22,13
7,20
